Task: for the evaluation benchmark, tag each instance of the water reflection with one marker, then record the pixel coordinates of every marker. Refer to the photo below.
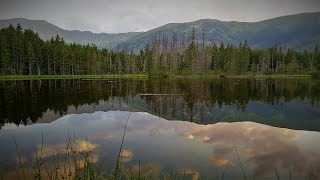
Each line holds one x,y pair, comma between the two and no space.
197,151
283,103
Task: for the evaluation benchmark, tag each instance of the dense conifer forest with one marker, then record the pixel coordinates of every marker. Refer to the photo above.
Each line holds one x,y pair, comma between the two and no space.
22,52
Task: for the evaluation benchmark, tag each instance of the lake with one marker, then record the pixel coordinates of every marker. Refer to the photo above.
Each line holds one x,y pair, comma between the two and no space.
183,128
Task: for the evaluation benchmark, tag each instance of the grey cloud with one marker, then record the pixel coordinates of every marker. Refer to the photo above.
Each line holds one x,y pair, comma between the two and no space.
140,15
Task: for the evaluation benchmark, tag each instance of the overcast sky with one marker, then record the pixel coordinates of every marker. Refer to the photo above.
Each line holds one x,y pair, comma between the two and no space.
115,16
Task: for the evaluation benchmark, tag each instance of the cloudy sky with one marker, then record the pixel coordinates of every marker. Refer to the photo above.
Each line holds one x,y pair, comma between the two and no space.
114,16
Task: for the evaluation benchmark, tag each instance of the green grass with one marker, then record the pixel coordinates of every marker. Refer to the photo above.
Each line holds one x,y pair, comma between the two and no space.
272,76
194,76
35,77
284,76
246,76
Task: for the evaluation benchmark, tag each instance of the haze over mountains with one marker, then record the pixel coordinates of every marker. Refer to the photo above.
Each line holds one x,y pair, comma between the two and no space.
301,31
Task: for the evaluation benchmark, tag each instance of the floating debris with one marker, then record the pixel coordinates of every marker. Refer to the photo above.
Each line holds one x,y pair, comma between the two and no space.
110,81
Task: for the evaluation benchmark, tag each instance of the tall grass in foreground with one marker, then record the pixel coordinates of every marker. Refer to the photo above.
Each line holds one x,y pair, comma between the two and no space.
78,162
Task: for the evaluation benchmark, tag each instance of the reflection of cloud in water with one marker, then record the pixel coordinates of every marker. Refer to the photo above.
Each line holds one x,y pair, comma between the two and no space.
126,155
151,170
261,148
58,160
193,173
218,161
66,171
102,135
77,146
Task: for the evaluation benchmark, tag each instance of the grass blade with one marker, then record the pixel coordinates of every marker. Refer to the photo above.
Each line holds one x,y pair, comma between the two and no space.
121,146
243,173
19,158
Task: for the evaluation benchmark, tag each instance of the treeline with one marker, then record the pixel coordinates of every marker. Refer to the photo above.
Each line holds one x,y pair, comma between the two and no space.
22,52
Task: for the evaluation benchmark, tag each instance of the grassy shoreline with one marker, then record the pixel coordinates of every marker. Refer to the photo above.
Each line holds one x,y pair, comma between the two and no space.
245,76
274,76
37,77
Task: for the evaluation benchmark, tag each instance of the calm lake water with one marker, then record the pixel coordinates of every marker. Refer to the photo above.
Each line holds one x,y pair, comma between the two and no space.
192,128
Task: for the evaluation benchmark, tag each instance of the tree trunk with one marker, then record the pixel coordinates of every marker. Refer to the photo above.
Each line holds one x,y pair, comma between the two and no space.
38,67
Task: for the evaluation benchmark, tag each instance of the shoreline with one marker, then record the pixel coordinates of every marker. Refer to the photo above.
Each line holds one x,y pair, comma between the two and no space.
139,76
44,77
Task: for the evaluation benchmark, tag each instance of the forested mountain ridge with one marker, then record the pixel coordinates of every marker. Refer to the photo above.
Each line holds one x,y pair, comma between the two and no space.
300,31
47,30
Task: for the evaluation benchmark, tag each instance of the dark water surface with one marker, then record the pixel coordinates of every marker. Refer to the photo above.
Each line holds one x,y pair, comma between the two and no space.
191,127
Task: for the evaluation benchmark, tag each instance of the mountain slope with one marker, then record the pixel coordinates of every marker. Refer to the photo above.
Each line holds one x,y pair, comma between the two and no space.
47,30
301,31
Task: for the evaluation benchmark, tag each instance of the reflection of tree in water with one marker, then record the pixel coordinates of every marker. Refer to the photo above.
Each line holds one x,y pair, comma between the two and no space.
192,100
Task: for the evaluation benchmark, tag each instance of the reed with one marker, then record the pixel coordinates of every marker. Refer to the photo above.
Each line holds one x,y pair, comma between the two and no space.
77,163
117,168
275,169
20,165
242,169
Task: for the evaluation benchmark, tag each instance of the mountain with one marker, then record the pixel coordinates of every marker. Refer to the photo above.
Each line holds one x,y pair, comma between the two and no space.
47,30
300,31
